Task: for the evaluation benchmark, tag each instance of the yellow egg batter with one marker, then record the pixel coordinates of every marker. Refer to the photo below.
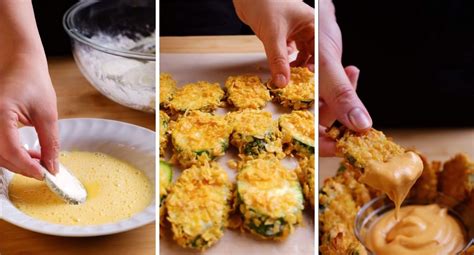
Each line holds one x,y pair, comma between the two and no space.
115,191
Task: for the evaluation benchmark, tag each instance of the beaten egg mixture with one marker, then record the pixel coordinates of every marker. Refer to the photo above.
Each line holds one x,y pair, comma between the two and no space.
115,191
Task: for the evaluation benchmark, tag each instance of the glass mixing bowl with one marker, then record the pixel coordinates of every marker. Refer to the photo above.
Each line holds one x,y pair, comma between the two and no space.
371,211
113,43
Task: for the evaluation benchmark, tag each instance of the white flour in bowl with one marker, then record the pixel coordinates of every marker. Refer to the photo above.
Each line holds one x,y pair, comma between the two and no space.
127,81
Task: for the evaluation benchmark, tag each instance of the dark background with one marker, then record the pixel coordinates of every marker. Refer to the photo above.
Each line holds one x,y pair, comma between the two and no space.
416,59
202,17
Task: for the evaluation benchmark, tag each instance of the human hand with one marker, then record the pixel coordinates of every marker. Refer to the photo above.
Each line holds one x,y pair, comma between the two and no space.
338,99
27,96
26,93
281,25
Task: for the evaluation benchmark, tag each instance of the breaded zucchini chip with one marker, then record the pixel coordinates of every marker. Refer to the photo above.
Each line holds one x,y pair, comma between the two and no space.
360,148
198,206
426,187
247,91
199,137
167,89
255,133
298,132
202,96
340,198
164,121
306,173
269,198
457,178
166,177
299,93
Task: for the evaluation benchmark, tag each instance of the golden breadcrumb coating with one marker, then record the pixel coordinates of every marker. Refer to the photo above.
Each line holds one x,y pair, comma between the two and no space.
198,137
255,133
457,178
247,91
426,187
164,121
360,148
198,206
270,198
340,198
167,89
298,132
202,96
299,93
305,171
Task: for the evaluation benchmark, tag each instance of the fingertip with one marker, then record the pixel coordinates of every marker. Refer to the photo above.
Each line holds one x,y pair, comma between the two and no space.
360,119
280,81
327,147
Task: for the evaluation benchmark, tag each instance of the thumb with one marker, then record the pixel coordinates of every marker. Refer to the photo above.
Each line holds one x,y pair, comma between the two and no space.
340,96
277,55
47,128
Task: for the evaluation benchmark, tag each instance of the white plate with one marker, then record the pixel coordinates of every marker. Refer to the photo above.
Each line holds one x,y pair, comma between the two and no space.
130,143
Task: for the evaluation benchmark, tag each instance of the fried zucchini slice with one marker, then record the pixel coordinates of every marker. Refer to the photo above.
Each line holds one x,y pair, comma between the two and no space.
299,93
360,148
426,187
198,206
255,133
457,178
306,174
247,91
298,132
269,197
166,177
167,89
198,137
340,197
164,121
201,96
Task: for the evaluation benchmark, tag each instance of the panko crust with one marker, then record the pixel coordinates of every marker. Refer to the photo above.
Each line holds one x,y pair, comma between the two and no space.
198,206
305,172
255,133
426,187
457,178
200,96
167,89
266,213
299,93
340,198
164,122
247,91
360,148
199,137
297,130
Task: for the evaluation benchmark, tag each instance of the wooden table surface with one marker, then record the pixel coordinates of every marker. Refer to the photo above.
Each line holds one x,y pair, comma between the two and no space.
77,98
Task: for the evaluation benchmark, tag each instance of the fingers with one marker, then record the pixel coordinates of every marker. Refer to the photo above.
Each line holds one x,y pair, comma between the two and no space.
326,116
277,55
12,156
352,73
339,95
327,146
47,129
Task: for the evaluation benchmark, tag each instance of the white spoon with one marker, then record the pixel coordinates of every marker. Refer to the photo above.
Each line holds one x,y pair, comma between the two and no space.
65,185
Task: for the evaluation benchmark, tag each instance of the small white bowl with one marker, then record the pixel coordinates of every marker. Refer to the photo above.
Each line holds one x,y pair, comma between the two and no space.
130,143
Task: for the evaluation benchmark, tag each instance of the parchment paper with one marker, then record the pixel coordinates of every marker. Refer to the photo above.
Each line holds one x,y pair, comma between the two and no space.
216,68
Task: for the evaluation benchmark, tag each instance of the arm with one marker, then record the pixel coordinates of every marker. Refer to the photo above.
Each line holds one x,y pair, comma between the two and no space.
26,92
